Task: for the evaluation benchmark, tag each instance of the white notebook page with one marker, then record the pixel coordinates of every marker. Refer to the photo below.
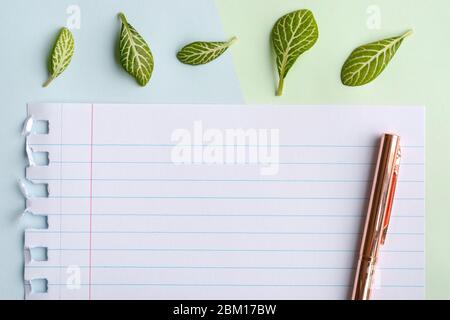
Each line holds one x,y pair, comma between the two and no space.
127,221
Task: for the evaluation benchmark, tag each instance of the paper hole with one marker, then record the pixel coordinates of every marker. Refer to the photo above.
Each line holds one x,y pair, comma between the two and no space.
40,127
39,254
39,285
36,189
41,158
35,221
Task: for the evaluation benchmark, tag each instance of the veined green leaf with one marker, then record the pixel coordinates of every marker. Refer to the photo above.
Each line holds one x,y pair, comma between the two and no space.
61,55
200,52
135,55
292,35
367,62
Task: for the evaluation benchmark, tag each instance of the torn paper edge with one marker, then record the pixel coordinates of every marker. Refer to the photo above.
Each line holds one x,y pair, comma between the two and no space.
35,112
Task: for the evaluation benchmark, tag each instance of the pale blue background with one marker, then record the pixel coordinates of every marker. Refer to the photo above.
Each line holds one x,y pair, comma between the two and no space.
28,29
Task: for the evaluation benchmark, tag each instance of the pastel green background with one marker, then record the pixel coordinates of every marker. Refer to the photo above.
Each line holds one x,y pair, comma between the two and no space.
418,75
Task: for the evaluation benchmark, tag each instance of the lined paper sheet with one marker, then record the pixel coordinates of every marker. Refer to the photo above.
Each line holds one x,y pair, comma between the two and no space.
126,221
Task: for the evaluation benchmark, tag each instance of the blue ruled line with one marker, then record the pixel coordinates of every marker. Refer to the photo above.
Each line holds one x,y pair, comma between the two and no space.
225,198
224,215
218,267
208,145
218,180
202,250
193,267
217,232
214,198
232,164
225,285
231,250
209,215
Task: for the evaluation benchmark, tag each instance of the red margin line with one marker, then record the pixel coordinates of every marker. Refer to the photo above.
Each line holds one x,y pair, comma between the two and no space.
90,200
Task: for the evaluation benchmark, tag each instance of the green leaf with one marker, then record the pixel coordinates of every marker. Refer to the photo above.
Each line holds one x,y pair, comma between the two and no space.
367,62
135,55
292,35
61,55
200,52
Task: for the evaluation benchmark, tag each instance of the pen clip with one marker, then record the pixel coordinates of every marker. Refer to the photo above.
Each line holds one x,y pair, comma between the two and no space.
391,194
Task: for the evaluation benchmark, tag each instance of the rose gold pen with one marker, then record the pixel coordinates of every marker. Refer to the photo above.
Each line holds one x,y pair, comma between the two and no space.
378,214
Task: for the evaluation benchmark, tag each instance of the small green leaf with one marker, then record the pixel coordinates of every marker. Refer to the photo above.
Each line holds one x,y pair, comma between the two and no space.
367,62
61,55
135,55
200,52
292,35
